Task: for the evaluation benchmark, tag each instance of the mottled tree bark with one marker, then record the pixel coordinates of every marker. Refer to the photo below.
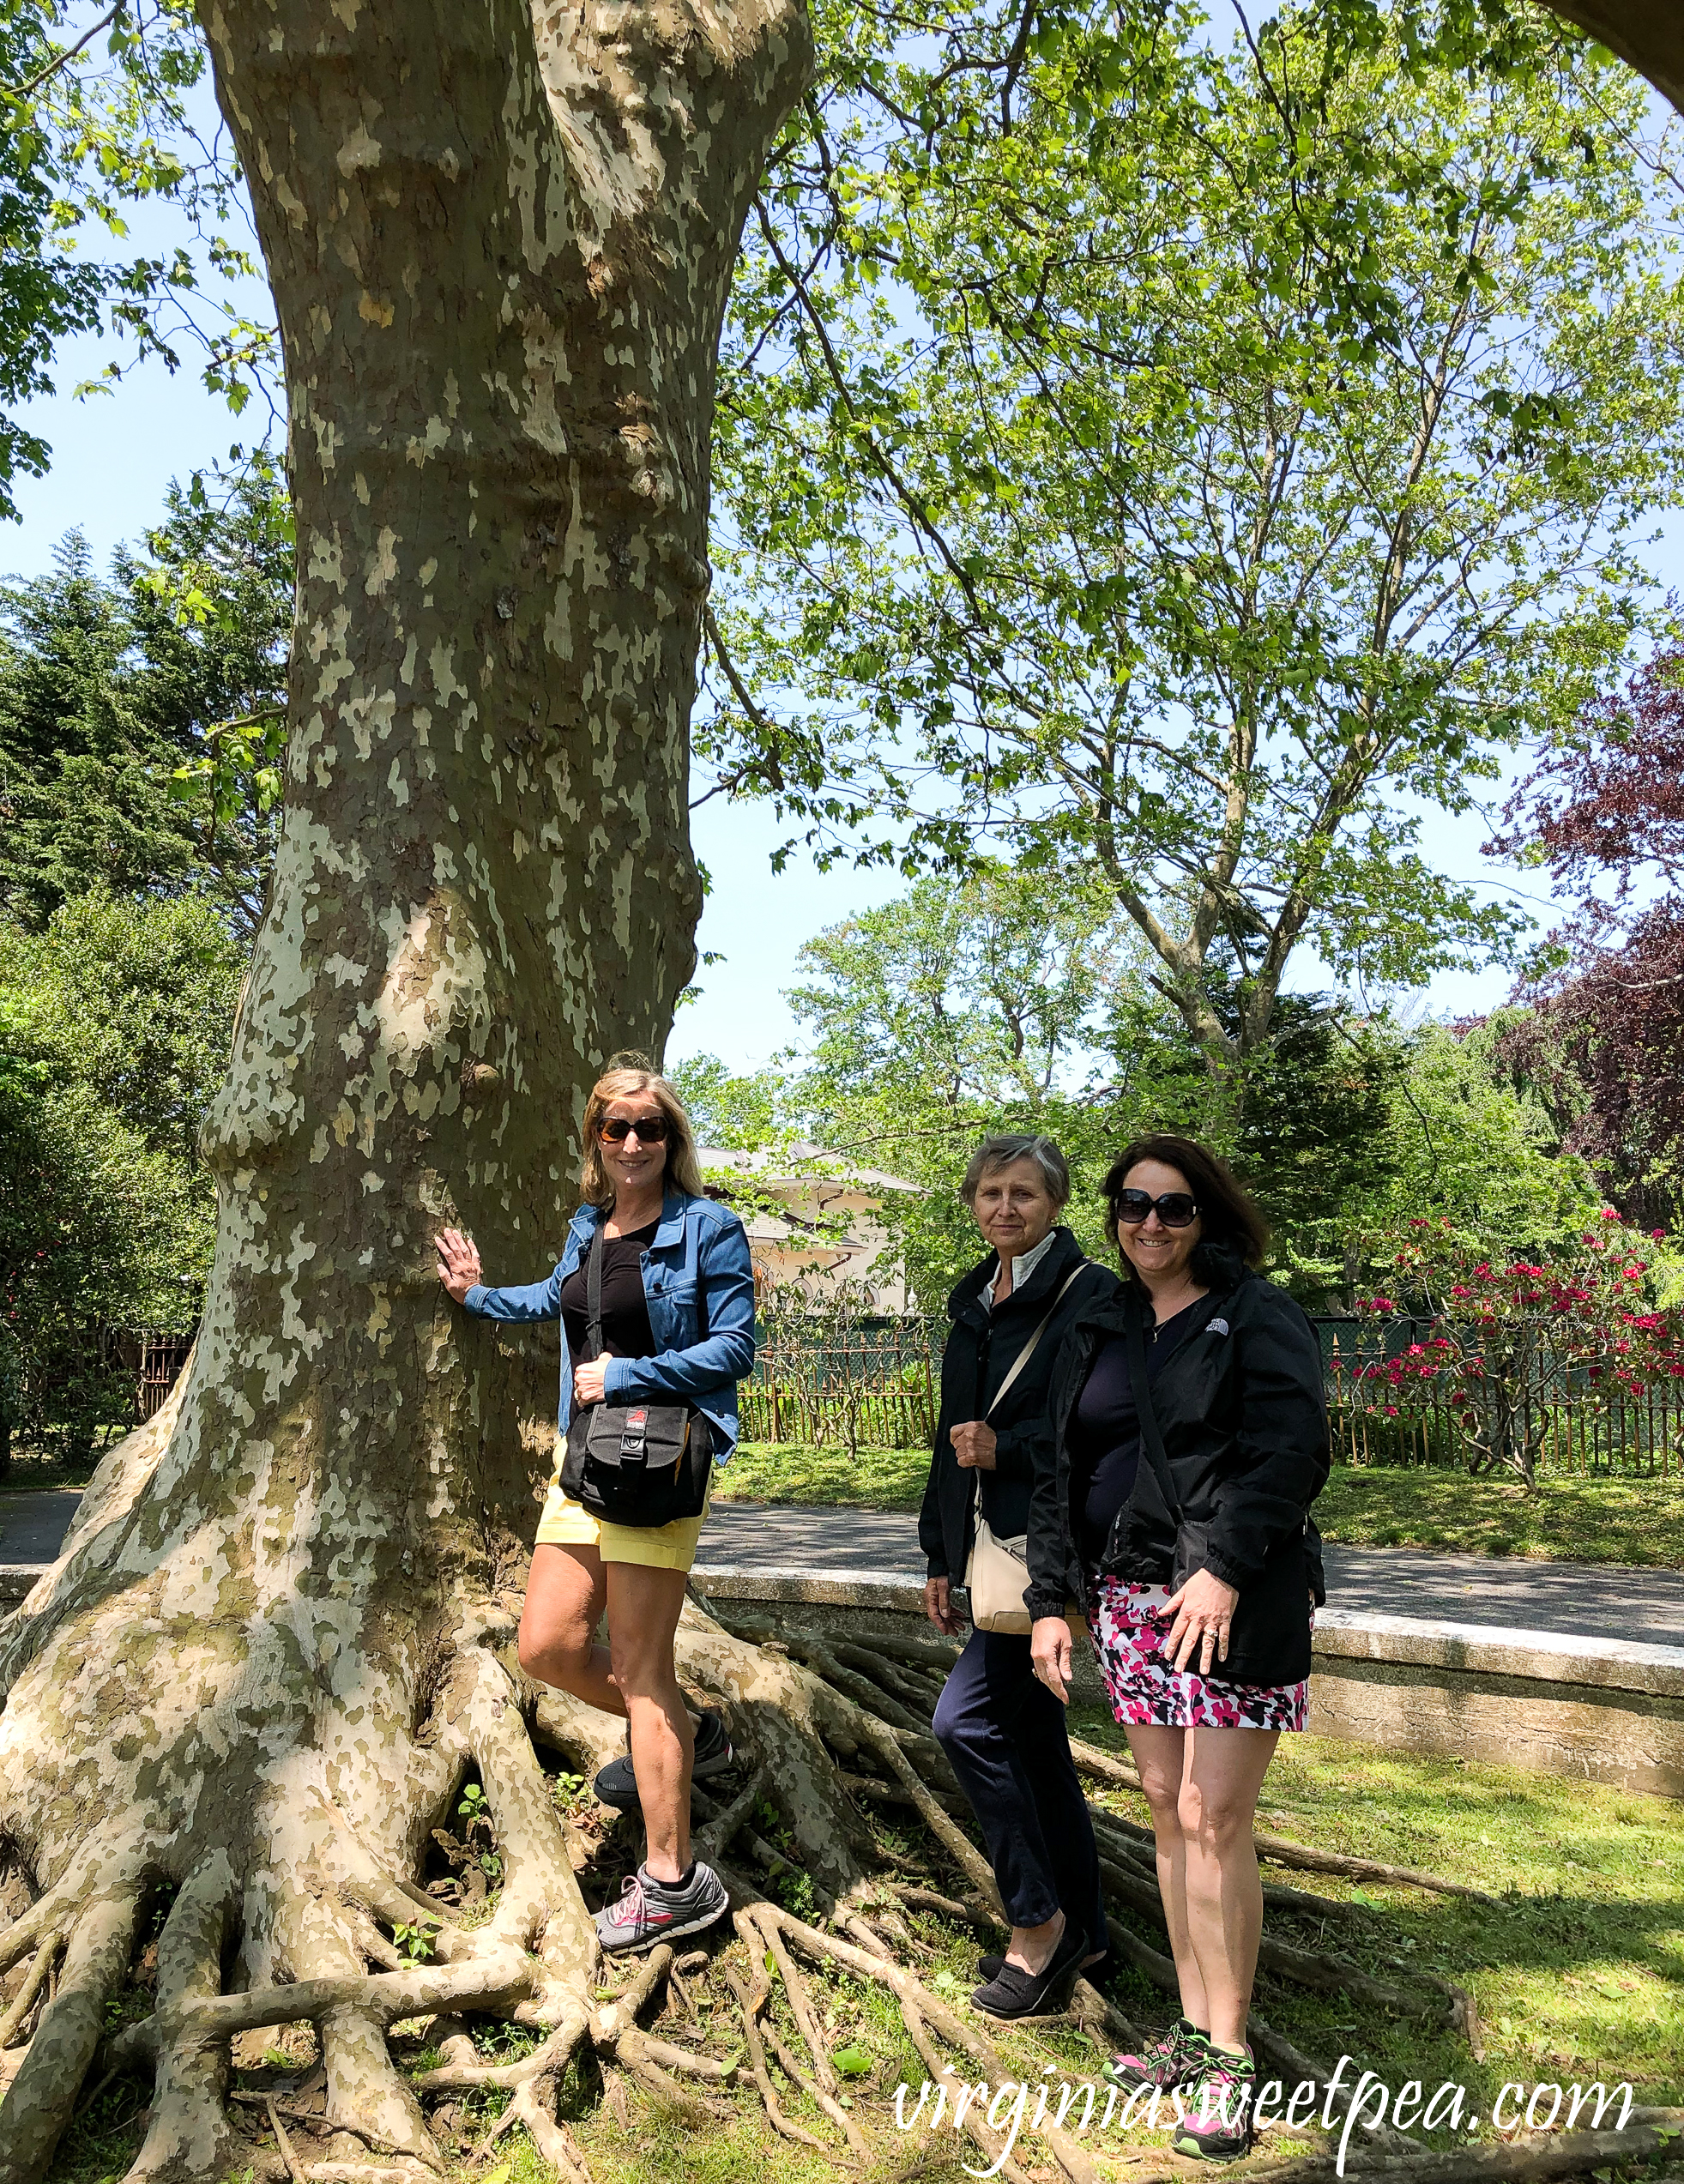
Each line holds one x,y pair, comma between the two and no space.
499,241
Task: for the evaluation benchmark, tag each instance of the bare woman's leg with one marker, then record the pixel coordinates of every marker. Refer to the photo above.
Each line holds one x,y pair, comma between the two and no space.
1222,1890
1161,1756
643,1609
565,1594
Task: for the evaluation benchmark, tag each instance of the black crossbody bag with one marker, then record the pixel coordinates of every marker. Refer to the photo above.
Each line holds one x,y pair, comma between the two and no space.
641,1463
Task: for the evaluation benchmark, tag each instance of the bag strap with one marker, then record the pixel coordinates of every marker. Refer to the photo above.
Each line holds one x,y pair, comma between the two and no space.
1021,1361
1033,1343
1152,1439
594,1291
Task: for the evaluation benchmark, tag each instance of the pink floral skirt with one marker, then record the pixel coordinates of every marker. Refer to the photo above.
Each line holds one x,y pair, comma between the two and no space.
1129,1632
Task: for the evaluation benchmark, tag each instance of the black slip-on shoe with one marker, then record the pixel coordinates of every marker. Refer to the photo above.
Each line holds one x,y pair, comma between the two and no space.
1014,1994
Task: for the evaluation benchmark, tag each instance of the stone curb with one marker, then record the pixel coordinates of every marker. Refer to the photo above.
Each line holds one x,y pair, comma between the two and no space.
1476,1649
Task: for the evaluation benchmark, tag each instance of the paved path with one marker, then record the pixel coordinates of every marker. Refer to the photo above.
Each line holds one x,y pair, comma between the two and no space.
31,1526
1646,1606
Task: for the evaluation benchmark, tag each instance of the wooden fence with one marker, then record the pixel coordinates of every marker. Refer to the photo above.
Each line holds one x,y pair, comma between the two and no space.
153,1356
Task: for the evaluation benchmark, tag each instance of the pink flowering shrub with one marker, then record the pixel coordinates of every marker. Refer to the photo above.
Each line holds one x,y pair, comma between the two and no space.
1508,1340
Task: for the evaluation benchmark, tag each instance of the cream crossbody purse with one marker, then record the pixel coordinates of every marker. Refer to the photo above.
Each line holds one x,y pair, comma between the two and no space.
997,1570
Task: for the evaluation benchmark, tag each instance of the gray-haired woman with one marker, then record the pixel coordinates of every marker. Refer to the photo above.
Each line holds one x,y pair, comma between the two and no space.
1003,1731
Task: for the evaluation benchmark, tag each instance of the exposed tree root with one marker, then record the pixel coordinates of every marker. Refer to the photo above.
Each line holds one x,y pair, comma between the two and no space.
1309,1968
749,2006
1651,2134
1306,1856
23,2002
1307,1859
1137,1847
992,2146
284,2143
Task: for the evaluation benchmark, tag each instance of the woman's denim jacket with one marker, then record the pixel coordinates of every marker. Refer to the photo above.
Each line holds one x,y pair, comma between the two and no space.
695,1272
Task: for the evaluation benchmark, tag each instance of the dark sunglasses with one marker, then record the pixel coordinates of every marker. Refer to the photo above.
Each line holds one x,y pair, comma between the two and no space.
1176,1209
651,1130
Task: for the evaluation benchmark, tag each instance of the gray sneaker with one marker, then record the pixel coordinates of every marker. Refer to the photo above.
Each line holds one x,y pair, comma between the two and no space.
648,1910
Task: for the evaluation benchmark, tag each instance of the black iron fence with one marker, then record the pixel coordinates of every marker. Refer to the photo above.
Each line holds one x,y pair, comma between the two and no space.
150,1360
877,1383
1573,1415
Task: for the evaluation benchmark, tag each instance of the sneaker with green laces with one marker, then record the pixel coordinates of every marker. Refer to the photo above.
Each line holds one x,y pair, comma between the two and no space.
1171,2061
1217,2106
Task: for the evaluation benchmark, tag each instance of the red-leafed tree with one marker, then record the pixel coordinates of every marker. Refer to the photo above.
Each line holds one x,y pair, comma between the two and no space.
1509,1343
1605,1036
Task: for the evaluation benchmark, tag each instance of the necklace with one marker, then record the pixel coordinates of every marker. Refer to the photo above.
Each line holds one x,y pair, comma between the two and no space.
1160,1323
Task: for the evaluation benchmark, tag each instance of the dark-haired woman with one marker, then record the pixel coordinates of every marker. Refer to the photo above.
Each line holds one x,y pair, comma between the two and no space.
1205,1676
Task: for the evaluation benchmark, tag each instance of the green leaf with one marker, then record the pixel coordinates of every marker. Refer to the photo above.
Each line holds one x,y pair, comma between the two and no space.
852,2062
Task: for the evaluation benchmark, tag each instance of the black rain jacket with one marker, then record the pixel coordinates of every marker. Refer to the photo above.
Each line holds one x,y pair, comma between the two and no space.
1240,1406
980,1351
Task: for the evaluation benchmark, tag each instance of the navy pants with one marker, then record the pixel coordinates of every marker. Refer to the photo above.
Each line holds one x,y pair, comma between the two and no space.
1004,1732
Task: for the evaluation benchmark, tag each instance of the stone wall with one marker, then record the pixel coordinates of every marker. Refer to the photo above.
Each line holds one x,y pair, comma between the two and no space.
1598,1709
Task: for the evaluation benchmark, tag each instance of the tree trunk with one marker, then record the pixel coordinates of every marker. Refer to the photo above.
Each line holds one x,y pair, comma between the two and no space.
500,243
1649,34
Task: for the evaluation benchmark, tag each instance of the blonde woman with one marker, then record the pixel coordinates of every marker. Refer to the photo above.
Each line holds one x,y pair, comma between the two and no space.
677,1319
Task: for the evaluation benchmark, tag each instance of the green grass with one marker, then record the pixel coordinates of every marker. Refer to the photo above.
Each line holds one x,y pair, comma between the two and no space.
34,1471
1577,1971
790,1471
1639,1521
1633,1521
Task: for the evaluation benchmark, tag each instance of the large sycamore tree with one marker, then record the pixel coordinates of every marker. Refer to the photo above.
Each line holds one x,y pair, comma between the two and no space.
280,1638
281,1633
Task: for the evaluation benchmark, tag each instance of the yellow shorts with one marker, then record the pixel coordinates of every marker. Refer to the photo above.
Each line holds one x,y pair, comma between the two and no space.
655,1546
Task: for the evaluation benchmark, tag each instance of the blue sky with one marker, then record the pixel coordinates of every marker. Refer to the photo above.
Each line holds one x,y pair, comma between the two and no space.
114,456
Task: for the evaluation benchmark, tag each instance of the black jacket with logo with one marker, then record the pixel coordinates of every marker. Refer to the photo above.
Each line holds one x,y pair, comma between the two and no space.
980,1351
1244,1421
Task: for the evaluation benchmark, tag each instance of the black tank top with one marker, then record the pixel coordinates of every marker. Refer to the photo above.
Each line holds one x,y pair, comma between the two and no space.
625,1310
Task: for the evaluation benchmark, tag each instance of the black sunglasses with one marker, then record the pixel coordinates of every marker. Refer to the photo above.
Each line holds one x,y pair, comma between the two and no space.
1175,1209
651,1130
